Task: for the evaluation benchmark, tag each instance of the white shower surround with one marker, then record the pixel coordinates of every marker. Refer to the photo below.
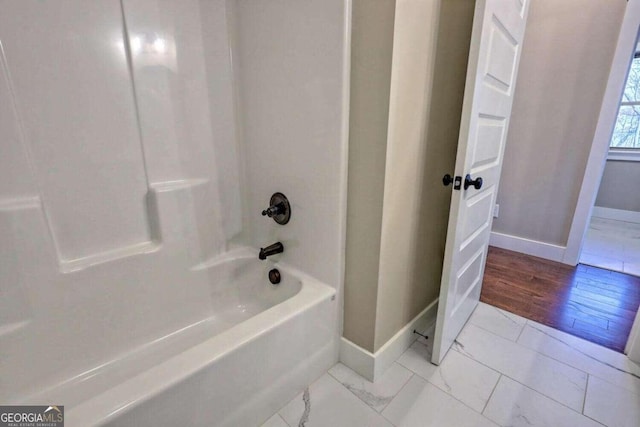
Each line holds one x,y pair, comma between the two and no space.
130,169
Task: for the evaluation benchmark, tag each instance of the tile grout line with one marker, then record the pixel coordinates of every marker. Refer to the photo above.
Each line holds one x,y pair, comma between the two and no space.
607,364
445,391
521,331
598,376
454,397
584,401
405,383
490,331
542,394
513,379
283,420
394,398
585,404
505,313
552,399
544,355
491,395
438,388
594,420
365,404
500,374
524,385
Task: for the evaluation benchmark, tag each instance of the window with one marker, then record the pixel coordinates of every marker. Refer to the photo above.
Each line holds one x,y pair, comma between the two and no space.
625,141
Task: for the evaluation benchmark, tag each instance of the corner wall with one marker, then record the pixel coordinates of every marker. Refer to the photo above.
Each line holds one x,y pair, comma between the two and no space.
371,51
400,147
430,56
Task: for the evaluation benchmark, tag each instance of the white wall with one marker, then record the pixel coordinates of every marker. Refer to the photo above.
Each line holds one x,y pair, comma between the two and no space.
124,197
291,79
41,80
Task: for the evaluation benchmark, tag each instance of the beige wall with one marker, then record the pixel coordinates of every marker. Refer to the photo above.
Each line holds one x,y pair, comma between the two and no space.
430,57
618,189
397,207
564,67
371,51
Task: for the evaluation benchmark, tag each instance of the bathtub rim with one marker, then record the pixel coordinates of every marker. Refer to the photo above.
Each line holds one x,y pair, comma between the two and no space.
110,403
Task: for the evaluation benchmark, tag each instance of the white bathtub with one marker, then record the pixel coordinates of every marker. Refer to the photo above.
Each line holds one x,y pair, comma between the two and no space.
264,344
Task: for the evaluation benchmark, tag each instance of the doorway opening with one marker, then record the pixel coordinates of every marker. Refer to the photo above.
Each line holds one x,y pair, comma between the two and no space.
572,293
612,240
591,303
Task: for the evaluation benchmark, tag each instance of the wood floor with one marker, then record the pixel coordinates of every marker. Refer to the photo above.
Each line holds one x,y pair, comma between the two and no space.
595,304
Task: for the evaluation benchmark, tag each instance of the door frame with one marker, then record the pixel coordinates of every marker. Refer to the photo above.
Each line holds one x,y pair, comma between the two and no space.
622,57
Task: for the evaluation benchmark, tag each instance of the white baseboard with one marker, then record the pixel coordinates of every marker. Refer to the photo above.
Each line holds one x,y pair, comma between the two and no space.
373,365
617,214
528,246
357,358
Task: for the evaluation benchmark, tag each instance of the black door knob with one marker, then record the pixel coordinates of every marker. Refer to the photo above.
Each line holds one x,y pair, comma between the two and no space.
447,179
476,183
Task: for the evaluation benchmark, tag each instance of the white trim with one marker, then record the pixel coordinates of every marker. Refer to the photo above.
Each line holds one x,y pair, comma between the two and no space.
527,246
344,156
617,214
357,358
602,138
373,365
631,155
632,349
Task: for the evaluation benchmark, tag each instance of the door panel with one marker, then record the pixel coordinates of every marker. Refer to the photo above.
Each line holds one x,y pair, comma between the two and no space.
498,30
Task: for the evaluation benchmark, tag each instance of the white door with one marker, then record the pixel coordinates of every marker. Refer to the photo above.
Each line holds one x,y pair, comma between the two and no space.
496,40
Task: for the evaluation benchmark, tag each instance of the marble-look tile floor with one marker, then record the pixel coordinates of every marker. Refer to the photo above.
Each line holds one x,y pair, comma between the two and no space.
503,370
612,245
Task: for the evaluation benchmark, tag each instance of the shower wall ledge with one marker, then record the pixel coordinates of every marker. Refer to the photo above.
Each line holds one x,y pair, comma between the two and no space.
34,203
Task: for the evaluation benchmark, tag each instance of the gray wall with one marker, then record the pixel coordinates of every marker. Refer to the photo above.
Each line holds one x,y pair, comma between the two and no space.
619,186
566,56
